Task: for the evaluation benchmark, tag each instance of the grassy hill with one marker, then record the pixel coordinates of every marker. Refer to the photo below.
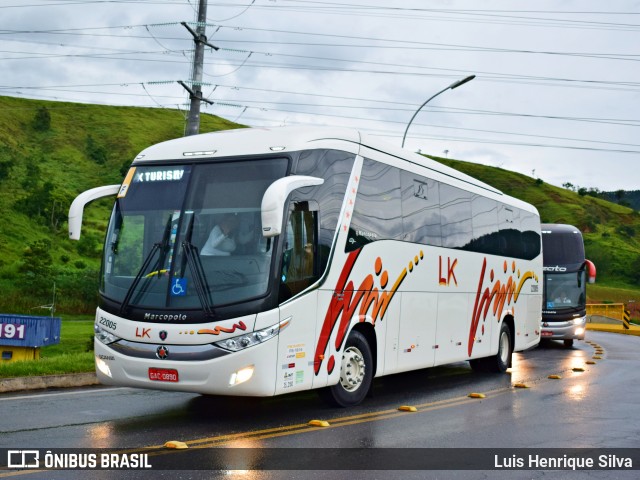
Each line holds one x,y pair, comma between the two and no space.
51,151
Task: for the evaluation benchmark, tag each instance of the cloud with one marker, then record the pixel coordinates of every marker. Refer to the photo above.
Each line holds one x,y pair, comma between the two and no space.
555,89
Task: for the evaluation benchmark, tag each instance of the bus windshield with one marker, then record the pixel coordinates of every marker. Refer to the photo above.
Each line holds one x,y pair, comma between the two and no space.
189,236
564,290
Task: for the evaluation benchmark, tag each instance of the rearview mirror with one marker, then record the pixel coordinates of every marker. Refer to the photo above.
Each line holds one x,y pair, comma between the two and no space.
272,209
76,209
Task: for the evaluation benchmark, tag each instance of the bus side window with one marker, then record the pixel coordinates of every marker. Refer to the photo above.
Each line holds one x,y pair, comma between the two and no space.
299,265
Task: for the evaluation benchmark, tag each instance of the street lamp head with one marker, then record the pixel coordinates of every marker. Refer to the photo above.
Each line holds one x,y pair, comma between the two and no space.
461,82
452,86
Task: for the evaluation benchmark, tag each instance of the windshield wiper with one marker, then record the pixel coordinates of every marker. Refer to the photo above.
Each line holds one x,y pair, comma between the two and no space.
138,277
199,276
162,246
192,258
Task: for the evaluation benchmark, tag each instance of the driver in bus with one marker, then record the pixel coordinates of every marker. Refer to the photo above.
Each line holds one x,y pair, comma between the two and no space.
221,241
226,236
562,297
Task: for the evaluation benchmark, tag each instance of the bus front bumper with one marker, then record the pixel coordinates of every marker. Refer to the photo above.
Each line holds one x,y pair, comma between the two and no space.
250,372
565,329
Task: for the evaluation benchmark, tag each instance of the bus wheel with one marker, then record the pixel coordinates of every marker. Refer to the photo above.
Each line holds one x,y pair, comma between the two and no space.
501,361
356,373
568,343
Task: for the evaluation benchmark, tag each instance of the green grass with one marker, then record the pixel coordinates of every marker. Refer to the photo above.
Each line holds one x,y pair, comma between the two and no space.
69,356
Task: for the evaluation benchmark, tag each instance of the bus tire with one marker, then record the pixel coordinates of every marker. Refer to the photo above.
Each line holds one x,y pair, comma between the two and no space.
502,360
356,373
568,343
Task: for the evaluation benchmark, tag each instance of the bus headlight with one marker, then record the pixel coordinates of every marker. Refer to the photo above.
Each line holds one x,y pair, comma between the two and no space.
241,342
104,336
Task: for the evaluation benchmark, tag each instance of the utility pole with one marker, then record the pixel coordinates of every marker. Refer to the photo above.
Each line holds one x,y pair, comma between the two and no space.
195,92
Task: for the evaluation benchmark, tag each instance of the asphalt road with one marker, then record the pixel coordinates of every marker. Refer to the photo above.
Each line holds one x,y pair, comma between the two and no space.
593,409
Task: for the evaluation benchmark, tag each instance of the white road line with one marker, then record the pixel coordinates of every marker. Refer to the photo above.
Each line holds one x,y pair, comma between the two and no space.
60,394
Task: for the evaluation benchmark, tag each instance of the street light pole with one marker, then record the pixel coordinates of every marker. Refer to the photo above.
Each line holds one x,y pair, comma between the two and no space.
452,86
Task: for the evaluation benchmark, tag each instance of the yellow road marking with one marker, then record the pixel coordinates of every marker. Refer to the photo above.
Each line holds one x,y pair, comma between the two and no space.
221,440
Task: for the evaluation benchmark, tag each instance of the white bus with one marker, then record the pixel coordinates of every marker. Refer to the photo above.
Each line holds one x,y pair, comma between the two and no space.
259,262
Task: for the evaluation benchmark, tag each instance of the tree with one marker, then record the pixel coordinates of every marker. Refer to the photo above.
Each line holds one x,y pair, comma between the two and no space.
95,151
33,172
44,203
593,192
37,201
42,120
36,267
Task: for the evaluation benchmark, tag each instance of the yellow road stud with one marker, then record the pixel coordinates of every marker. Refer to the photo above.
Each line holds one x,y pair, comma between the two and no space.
597,357
175,444
520,385
407,408
318,423
476,395
578,369
554,377
590,362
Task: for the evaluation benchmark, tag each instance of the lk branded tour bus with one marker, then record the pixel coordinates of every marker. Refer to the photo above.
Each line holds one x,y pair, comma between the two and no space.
259,262
566,270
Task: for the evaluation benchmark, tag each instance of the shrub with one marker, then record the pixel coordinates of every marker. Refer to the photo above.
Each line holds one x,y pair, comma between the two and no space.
42,120
95,151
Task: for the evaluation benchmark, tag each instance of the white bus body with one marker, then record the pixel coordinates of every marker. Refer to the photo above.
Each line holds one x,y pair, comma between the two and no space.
360,260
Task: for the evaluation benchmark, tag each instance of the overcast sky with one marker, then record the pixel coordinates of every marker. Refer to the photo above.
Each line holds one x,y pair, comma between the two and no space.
556,94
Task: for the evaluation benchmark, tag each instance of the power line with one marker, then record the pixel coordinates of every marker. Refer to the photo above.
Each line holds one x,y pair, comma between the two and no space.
376,101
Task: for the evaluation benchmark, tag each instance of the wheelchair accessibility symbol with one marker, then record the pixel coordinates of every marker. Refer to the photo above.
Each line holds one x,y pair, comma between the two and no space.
179,287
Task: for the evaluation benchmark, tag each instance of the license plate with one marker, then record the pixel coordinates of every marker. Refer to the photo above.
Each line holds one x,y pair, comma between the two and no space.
547,334
163,375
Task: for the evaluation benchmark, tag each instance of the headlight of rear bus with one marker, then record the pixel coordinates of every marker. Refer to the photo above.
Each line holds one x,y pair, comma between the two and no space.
241,342
104,336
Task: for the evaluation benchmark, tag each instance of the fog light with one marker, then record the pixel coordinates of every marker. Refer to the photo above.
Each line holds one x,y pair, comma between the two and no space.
579,331
103,367
241,376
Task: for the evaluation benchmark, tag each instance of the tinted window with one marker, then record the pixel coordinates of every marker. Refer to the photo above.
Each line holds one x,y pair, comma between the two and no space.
421,209
563,248
437,214
455,216
486,238
377,212
530,225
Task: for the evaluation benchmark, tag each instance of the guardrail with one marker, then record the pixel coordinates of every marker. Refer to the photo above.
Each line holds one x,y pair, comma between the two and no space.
617,312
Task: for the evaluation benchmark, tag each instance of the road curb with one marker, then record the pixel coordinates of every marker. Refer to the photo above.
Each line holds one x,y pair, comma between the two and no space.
634,330
17,384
